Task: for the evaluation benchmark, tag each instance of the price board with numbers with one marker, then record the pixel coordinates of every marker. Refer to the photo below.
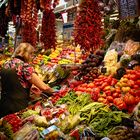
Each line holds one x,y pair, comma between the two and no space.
128,8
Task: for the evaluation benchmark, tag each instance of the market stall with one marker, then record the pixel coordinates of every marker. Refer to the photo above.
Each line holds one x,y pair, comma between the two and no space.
96,78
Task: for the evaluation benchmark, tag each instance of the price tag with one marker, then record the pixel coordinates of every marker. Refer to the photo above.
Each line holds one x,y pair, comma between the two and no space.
128,8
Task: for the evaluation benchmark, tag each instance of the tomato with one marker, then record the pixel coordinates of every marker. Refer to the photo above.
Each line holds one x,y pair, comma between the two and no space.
137,82
82,89
137,99
115,95
104,85
96,89
137,93
113,82
105,101
108,93
122,106
130,108
129,99
118,101
106,88
136,87
88,90
131,83
109,98
101,76
101,99
138,74
84,85
118,90
133,77
91,85
126,76
103,95
133,92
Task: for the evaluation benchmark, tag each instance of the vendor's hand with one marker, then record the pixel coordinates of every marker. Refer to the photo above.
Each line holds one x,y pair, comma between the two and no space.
35,90
50,91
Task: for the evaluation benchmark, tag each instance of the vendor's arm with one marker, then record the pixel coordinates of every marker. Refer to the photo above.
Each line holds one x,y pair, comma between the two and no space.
40,84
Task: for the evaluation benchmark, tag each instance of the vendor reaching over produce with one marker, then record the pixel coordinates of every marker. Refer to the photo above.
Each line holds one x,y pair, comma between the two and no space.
17,77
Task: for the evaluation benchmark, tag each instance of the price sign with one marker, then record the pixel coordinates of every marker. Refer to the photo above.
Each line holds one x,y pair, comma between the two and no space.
128,8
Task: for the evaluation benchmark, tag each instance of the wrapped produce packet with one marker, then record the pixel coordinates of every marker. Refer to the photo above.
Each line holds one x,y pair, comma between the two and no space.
117,46
89,134
27,132
111,62
131,47
136,112
122,133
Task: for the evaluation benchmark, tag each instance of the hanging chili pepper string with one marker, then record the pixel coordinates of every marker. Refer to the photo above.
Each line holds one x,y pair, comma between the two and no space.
88,26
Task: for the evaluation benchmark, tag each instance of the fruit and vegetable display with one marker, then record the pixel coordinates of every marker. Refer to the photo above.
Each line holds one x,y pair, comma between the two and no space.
89,103
96,89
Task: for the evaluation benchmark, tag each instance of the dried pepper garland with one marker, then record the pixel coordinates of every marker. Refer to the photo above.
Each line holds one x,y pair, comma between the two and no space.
29,21
48,33
88,31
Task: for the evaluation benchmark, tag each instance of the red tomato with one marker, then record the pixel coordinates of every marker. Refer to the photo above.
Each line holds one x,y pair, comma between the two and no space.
106,88
96,89
103,95
91,85
136,87
108,93
113,82
131,83
101,99
138,74
138,82
122,106
137,99
118,90
88,90
105,101
118,101
104,85
137,93
130,108
115,95
133,77
129,99
109,98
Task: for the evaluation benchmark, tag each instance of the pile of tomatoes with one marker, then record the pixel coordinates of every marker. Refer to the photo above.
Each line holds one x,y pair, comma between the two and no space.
14,121
110,91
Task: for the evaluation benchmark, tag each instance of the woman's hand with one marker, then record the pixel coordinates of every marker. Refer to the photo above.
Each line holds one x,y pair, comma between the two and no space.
35,90
50,90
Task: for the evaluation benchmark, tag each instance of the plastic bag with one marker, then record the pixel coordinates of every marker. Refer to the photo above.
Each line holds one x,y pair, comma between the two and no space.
111,57
125,59
110,62
19,135
136,112
131,47
117,46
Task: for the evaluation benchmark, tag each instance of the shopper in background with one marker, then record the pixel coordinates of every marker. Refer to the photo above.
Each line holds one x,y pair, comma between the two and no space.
17,77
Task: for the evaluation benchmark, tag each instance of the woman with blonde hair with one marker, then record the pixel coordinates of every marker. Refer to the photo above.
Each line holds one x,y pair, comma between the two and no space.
17,77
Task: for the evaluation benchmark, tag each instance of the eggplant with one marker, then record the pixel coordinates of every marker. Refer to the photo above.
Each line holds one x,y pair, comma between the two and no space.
132,64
